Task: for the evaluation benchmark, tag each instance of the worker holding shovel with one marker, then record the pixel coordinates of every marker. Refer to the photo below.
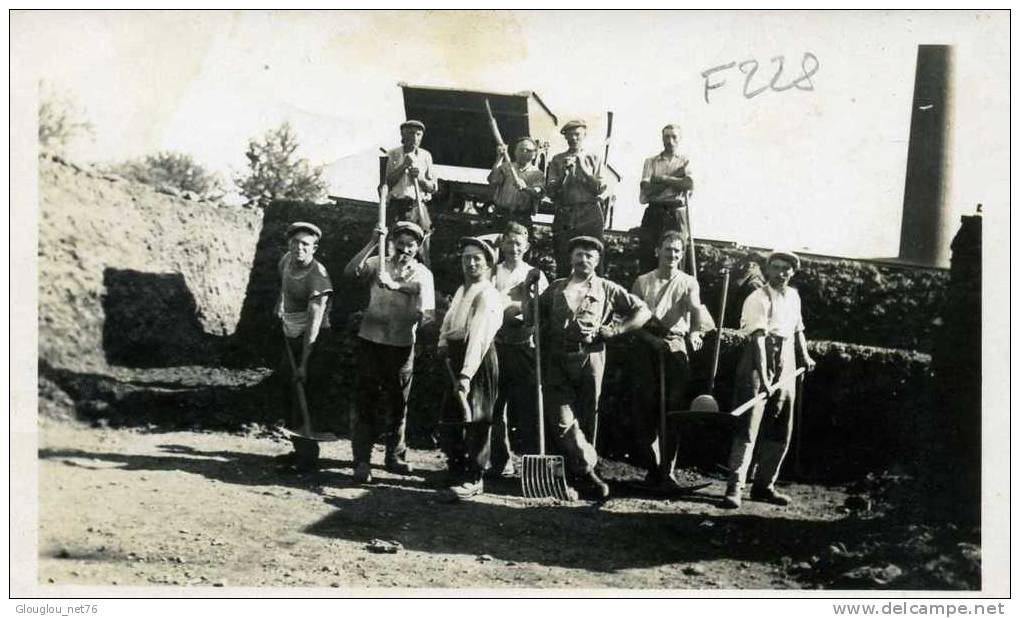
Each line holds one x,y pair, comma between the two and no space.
410,178
466,348
576,186
518,184
577,315
303,307
771,320
402,295
665,342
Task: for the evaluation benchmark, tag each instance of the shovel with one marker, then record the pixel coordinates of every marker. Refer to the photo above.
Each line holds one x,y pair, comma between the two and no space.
306,428
542,476
707,402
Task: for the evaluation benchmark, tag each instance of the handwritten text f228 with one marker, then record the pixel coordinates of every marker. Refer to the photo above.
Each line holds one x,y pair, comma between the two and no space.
808,67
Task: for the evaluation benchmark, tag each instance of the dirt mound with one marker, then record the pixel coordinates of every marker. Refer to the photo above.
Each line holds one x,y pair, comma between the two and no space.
127,273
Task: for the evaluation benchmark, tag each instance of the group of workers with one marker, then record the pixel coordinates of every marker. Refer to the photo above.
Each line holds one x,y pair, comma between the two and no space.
487,339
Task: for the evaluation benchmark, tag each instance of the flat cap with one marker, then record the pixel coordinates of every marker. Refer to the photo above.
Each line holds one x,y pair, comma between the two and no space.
585,241
303,226
573,124
788,256
408,226
416,124
481,243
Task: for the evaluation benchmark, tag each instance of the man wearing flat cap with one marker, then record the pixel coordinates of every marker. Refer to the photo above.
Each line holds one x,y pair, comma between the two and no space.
665,183
406,166
518,184
303,307
663,349
772,322
466,348
402,295
575,185
578,314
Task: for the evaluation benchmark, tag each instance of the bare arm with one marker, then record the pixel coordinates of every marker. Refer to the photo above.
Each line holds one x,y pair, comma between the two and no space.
758,352
800,341
356,266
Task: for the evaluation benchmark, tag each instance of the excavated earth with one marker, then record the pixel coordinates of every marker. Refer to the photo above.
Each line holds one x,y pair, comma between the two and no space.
158,455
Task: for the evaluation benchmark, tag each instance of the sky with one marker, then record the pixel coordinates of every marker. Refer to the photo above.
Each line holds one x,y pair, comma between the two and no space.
819,167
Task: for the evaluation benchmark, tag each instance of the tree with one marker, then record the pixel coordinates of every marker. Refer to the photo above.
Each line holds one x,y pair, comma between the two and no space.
174,170
60,121
275,173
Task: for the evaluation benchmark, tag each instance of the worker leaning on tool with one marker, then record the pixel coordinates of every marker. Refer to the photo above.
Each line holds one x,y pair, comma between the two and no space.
303,306
405,165
575,185
665,181
578,314
679,320
515,348
517,190
402,295
771,320
466,347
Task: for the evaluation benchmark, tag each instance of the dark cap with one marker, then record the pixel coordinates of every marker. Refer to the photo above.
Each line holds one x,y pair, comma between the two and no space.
487,249
408,226
573,124
788,256
589,242
303,226
416,124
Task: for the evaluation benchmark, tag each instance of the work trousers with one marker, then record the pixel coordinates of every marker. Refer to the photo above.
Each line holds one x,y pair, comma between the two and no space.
467,446
647,395
516,416
572,387
307,450
570,220
656,221
386,372
763,433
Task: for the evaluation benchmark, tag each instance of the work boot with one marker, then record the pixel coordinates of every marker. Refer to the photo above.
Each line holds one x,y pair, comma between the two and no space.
770,495
591,486
363,473
464,491
732,498
399,466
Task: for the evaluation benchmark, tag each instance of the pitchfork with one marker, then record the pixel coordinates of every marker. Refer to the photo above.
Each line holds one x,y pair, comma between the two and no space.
542,476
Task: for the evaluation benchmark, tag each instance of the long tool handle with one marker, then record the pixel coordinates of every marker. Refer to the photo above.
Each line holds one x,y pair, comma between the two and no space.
664,459
798,420
384,194
465,407
424,220
540,407
494,127
690,235
718,331
744,407
302,401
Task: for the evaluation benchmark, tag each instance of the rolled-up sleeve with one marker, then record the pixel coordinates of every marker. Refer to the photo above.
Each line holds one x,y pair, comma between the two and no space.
754,315
426,291
486,320
646,177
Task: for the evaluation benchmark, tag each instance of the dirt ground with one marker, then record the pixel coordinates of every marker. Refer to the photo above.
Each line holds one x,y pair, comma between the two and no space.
182,508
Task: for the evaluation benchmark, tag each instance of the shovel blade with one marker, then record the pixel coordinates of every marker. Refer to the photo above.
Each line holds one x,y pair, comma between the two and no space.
317,436
704,403
544,476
